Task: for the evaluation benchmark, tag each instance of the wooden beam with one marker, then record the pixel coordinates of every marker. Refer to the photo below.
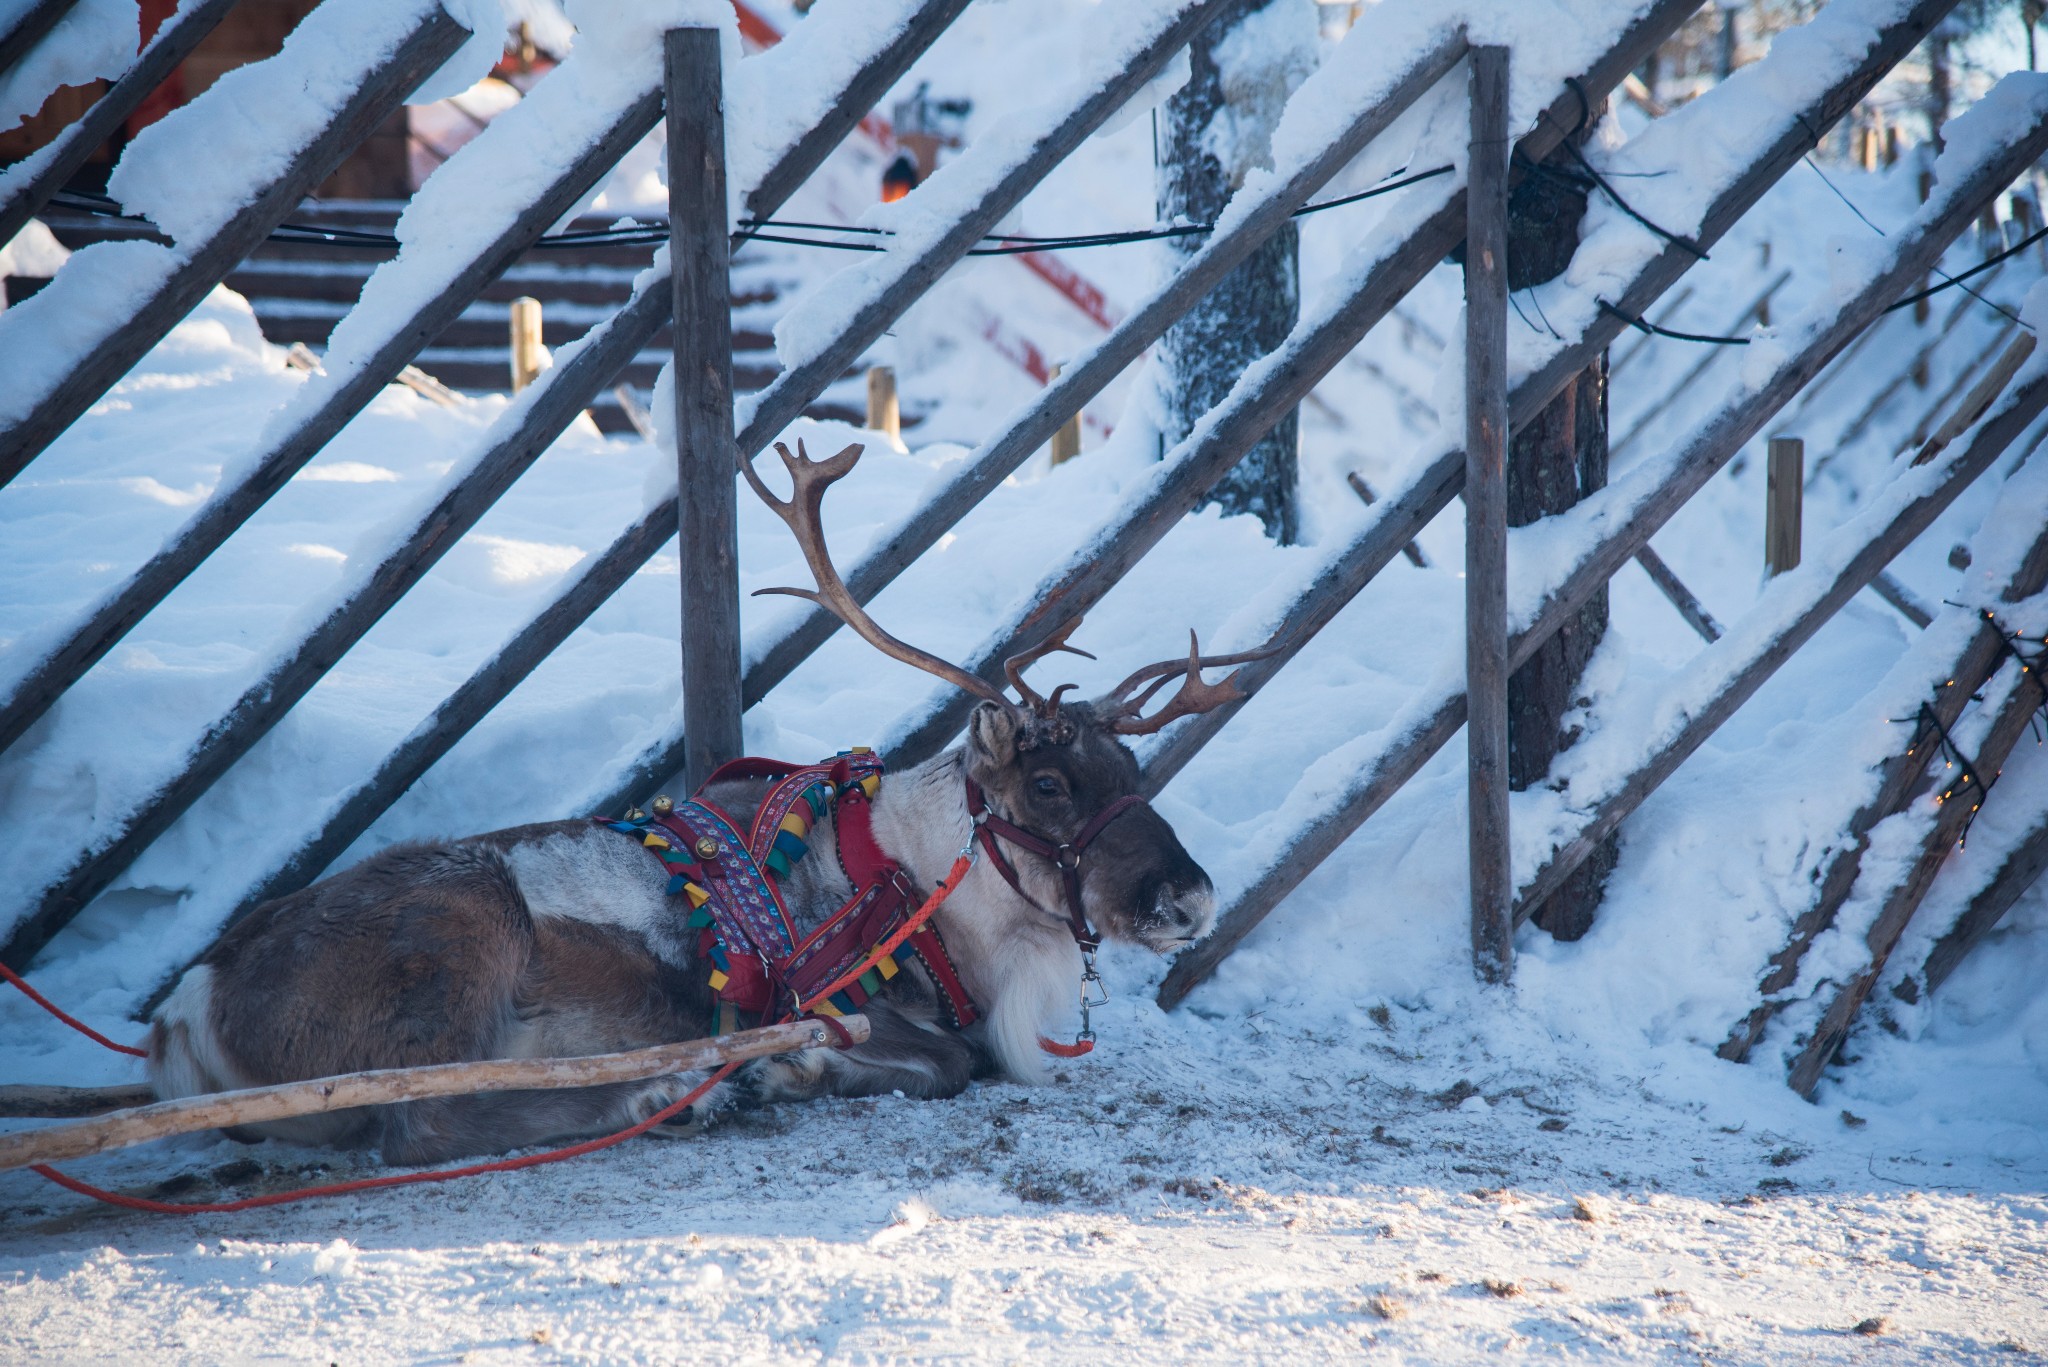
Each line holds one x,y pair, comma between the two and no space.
1490,857
1942,829
27,186
2021,870
29,1101
1784,503
551,404
568,390
986,469
1952,683
1668,395
700,269
1423,728
1673,588
1439,479
388,1086
1744,674
201,265
1286,377
28,29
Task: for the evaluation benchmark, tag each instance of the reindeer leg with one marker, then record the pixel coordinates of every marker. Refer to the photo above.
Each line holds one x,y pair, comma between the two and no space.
906,1052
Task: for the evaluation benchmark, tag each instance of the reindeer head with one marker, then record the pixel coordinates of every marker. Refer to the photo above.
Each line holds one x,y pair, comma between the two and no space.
1051,767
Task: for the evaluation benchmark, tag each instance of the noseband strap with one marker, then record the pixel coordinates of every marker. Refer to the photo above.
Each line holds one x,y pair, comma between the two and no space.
1066,857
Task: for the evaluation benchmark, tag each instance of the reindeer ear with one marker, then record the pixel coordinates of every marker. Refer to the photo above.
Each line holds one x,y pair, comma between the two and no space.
993,733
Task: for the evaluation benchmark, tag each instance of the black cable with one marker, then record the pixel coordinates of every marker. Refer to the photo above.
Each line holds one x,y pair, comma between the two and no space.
289,233
1951,279
1644,325
1675,239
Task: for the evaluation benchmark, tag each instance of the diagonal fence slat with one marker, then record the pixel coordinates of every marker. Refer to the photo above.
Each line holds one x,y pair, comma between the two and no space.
1420,730
28,29
347,394
1271,387
191,270
26,186
1947,683
1402,514
996,460
2021,869
533,422
1743,672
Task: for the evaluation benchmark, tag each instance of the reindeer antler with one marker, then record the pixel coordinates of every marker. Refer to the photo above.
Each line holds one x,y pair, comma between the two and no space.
809,479
1120,710
1014,667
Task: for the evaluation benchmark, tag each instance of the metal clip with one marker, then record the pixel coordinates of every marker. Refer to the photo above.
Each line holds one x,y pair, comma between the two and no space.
1100,996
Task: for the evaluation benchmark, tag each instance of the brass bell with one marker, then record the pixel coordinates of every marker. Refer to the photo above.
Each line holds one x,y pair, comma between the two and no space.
635,814
707,847
662,805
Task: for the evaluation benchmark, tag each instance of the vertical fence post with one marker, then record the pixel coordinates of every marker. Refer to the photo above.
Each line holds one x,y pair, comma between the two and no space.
1784,496
706,460
1486,506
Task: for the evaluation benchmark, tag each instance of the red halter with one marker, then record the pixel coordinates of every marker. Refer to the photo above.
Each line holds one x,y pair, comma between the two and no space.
1067,857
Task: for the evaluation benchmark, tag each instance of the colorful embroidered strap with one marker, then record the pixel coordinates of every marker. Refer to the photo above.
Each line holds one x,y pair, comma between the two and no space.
757,957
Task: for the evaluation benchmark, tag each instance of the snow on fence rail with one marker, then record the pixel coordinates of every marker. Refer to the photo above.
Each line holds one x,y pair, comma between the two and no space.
1808,97
67,346
27,186
1804,88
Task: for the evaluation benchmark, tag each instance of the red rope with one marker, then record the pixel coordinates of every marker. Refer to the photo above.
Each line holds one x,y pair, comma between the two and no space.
404,1179
80,1026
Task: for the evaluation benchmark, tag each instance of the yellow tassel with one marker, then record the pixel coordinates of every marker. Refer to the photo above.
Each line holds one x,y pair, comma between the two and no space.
655,842
826,1009
719,980
871,785
795,825
888,966
698,897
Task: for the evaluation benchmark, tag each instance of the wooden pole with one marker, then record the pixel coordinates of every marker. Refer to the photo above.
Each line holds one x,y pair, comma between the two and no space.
885,415
1486,517
385,1086
700,270
22,1100
55,165
1368,497
1066,440
1784,509
1673,588
526,343
108,348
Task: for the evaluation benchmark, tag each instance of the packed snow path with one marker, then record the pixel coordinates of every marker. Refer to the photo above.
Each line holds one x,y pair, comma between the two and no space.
1395,1189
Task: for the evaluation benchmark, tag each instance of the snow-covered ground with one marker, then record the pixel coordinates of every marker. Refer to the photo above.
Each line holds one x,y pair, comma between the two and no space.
1342,1146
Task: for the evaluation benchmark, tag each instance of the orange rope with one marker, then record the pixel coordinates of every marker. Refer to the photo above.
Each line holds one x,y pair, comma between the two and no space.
903,932
80,1026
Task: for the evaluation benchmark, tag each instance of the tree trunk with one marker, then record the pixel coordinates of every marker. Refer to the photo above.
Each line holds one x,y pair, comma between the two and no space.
1218,128
1938,87
1554,461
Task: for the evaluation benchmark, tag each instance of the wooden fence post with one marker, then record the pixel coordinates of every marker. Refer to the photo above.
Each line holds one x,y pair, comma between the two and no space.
706,457
1784,503
1066,442
526,344
1486,509
885,413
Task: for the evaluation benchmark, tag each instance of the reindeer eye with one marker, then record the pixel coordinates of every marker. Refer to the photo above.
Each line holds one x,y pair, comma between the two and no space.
1048,786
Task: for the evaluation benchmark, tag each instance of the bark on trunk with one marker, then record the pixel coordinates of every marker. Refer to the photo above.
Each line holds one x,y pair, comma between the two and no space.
1555,461
1209,136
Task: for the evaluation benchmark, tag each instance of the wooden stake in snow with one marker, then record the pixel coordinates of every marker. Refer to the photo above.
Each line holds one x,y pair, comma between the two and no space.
526,345
1066,442
1784,504
383,1086
885,414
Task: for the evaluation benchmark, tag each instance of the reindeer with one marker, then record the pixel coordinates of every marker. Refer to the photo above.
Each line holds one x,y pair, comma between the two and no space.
560,938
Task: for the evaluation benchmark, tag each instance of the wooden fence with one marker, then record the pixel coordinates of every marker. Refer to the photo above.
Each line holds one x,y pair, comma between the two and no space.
1460,205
